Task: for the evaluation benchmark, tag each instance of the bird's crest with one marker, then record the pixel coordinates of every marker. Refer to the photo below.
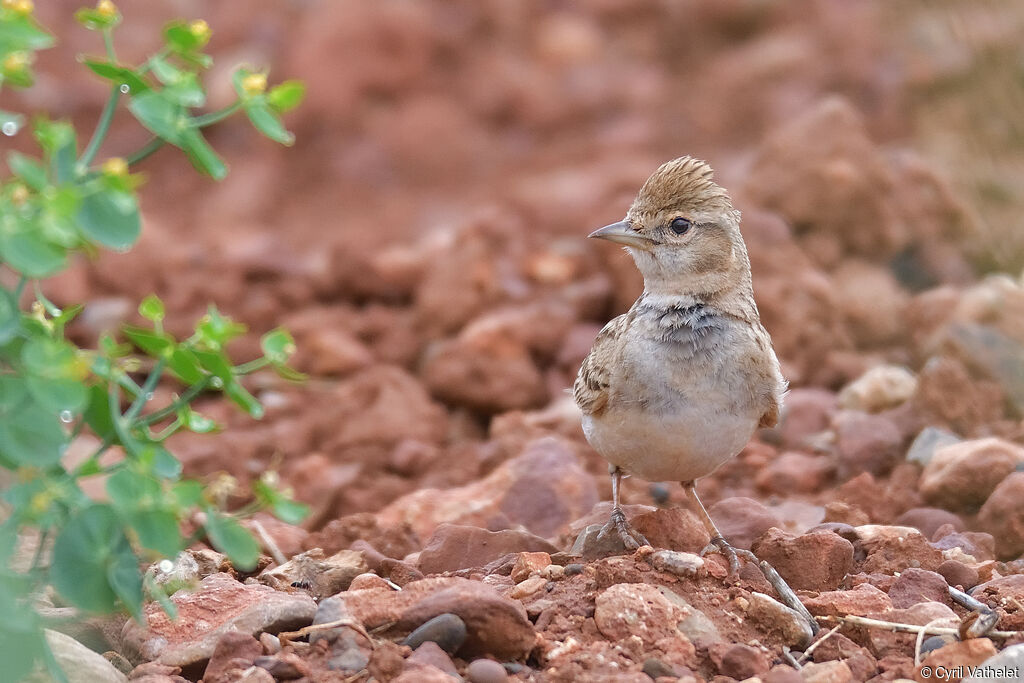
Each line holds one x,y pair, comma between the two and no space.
683,184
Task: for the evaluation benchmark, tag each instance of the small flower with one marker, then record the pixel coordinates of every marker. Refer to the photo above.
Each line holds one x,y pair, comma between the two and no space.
16,62
115,166
200,30
106,8
20,7
254,84
19,194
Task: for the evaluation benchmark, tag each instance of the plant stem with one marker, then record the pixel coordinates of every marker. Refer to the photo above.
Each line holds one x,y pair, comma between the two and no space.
20,287
144,393
101,128
114,403
184,399
40,548
251,366
219,115
168,431
108,43
147,149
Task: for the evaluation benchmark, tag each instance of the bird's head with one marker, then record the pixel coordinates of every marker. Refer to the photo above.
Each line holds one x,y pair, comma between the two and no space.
683,232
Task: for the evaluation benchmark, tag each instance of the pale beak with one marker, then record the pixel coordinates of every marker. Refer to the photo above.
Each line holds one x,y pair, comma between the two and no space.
622,233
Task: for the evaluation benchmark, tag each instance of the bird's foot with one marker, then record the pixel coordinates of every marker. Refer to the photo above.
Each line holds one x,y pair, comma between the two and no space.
631,538
732,555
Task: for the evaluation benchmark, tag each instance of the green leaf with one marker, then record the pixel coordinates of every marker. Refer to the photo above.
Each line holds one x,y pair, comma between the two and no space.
152,308
111,218
182,38
54,374
286,96
194,422
153,343
94,20
57,138
290,511
130,490
88,556
32,436
185,366
161,462
157,530
118,75
230,538
187,91
162,117
188,493
244,400
125,579
215,330
10,317
30,170
202,156
267,121
22,32
12,394
277,345
30,254
97,413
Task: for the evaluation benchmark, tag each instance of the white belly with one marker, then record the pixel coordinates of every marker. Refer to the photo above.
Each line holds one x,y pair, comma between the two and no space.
680,446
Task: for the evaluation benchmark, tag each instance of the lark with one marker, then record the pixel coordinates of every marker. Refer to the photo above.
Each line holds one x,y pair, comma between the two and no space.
677,385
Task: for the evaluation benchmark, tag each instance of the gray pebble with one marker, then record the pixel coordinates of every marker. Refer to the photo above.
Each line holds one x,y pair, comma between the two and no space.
486,671
447,630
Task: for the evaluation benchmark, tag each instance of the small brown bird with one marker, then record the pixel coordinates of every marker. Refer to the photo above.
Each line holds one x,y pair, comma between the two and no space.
677,385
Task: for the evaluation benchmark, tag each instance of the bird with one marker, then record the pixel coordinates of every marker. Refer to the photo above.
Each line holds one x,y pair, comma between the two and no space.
678,384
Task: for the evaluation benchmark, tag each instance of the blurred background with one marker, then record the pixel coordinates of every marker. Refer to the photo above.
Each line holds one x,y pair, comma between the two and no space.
424,239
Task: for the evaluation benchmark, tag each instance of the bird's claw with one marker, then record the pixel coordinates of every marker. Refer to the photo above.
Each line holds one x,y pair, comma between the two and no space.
732,555
631,538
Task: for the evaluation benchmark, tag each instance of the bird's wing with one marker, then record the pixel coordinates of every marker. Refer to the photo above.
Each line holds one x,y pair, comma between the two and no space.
594,377
771,416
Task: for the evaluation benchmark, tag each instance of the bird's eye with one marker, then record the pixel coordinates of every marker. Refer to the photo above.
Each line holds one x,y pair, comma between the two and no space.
680,225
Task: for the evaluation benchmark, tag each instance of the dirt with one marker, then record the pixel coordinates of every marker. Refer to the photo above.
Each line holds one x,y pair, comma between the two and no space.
425,242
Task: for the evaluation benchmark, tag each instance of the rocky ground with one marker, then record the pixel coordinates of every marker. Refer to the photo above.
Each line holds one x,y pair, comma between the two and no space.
425,243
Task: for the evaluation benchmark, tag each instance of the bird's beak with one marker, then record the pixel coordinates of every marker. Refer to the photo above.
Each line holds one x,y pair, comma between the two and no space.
622,233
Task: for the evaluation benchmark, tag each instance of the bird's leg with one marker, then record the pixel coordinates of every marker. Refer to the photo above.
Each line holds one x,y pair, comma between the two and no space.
718,541
631,538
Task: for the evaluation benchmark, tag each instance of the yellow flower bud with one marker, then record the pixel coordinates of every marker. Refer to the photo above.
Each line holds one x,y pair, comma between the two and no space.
15,62
200,29
254,84
22,7
19,194
115,166
106,8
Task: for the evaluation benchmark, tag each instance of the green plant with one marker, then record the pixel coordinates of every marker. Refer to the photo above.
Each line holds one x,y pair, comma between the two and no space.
52,391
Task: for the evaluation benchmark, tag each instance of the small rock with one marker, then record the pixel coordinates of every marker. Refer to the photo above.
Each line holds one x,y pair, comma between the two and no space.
592,544
1007,594
454,547
929,440
1006,667
528,587
191,639
794,472
574,568
932,643
865,443
368,580
271,643
891,549
1002,515
928,520
880,388
431,654
861,600
286,666
738,660
447,630
528,564
659,492
835,671
486,671
815,561
774,617
234,652
675,528
656,668
956,658
917,585
742,520
635,609
963,475
958,574
322,577
995,354
806,413
79,663
960,544
686,565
